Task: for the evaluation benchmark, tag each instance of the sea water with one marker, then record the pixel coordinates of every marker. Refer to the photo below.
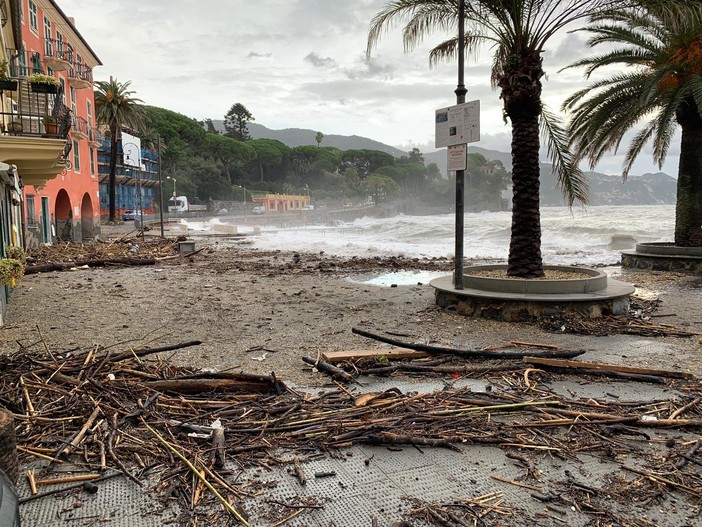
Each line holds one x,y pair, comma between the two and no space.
592,236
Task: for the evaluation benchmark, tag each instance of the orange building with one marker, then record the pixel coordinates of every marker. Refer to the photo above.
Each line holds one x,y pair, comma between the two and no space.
282,202
66,206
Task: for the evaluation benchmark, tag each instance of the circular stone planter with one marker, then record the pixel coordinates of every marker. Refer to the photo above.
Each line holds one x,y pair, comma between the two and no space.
664,256
591,296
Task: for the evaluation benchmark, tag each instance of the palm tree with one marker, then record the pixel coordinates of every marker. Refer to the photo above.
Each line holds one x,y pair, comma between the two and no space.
658,60
115,108
517,31
319,138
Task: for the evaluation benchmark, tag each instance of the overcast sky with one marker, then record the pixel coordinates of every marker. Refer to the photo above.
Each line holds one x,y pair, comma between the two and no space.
302,64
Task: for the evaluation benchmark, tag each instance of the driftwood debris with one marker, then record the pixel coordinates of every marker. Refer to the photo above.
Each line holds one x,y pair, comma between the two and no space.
126,251
388,353
324,366
477,353
614,368
139,426
66,266
8,445
234,383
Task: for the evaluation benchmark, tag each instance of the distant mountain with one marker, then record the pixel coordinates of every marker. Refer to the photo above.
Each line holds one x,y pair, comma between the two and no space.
293,137
649,189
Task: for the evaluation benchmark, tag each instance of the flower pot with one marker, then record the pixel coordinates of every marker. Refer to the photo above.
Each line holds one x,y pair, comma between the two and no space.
8,85
51,128
42,87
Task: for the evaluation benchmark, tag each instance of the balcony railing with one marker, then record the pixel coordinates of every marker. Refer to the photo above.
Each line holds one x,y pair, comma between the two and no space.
57,54
95,137
80,128
24,63
80,76
27,113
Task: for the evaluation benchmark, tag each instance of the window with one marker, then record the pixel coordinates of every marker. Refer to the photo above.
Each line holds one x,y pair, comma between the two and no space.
33,20
76,156
48,43
22,62
31,210
59,45
92,161
36,63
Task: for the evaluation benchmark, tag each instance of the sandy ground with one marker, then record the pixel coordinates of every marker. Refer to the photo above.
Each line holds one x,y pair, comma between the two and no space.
260,311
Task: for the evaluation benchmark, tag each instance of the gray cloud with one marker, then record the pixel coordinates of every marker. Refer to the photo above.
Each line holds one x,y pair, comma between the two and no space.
242,50
320,62
370,67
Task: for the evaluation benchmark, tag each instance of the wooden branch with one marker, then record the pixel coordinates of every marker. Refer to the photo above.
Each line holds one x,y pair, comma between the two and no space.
239,383
64,266
69,487
143,352
477,353
298,471
324,366
571,364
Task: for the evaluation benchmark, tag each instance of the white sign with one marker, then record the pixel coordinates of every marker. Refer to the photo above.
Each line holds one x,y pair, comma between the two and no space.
131,149
457,125
457,157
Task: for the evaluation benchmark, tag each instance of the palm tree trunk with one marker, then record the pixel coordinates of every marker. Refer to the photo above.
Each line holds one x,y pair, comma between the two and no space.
113,177
688,208
525,244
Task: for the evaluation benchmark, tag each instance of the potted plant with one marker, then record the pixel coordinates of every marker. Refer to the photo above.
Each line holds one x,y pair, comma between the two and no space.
41,83
11,270
6,83
51,125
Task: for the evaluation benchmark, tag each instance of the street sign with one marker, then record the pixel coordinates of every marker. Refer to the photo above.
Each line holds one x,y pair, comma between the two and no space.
457,125
457,157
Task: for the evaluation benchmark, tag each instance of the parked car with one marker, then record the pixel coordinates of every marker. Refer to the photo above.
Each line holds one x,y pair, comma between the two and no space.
131,215
259,209
9,504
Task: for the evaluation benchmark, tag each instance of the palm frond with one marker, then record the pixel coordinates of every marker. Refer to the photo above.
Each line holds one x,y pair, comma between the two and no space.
571,180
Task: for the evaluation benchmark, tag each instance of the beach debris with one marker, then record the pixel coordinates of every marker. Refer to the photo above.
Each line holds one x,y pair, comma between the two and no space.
483,353
191,427
68,256
382,353
592,367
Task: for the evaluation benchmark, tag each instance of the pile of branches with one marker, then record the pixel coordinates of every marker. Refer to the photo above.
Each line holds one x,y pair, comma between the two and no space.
120,251
132,413
640,320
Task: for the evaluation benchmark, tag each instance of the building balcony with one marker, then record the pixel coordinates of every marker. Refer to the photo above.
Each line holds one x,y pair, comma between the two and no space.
80,128
24,63
57,55
94,137
25,113
80,76
33,131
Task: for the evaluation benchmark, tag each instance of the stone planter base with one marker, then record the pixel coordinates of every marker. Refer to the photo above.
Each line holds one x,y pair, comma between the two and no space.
519,299
663,256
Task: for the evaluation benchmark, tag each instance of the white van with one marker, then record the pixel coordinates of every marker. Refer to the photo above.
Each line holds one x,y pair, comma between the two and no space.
259,209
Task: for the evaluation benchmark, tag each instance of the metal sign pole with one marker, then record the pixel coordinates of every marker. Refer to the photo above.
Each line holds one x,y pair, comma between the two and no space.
160,182
460,174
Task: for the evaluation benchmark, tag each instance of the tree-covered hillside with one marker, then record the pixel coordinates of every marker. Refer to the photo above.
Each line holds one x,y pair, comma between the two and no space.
210,164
